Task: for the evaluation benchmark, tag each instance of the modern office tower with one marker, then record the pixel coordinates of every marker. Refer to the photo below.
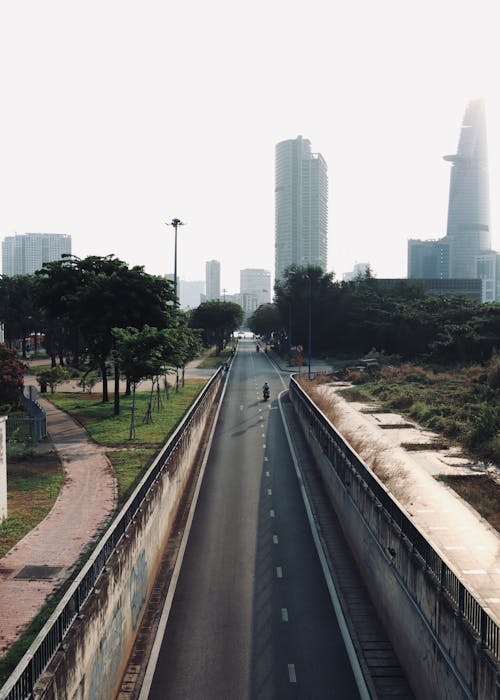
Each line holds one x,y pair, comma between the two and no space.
24,253
428,259
468,231
212,280
301,206
256,283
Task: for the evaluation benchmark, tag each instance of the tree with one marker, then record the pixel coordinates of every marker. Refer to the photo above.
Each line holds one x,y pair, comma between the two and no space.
51,377
216,320
19,309
265,320
11,376
97,294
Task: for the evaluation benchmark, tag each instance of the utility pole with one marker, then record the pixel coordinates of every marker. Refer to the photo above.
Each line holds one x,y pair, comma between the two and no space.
175,223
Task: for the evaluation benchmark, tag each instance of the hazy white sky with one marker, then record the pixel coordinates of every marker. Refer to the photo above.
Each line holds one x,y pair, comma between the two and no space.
119,115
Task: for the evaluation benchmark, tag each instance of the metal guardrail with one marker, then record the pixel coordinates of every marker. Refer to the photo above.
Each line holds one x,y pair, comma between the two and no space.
35,426
20,685
346,462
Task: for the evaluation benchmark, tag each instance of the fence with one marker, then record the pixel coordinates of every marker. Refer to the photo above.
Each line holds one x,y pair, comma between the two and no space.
35,426
345,461
22,681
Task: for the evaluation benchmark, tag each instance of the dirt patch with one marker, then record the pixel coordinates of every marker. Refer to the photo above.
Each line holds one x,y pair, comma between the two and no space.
481,492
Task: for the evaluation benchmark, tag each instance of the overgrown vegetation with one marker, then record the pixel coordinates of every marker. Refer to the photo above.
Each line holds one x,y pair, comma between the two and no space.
481,492
460,404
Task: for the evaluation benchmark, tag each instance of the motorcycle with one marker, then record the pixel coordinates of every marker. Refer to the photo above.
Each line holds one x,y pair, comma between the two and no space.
265,393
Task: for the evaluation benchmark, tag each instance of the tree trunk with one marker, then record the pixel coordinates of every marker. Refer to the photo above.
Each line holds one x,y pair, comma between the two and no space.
104,374
117,390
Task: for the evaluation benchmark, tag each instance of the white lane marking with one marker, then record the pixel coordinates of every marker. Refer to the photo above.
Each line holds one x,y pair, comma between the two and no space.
275,539
263,435
291,673
271,513
473,571
264,444
266,459
269,492
241,406
268,473
279,572
284,615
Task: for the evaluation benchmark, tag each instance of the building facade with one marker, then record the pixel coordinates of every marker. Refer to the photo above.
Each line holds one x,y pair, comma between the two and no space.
256,283
301,206
465,252
212,280
25,253
468,229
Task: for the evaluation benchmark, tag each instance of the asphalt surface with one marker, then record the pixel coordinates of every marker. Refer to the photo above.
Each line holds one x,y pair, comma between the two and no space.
251,615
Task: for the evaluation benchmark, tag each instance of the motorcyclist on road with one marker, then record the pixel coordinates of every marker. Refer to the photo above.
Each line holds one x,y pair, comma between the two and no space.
266,390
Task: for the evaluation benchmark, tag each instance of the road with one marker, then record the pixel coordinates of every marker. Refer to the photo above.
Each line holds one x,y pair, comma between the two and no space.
251,615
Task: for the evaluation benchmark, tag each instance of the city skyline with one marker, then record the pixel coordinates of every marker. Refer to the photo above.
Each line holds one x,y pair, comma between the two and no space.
109,145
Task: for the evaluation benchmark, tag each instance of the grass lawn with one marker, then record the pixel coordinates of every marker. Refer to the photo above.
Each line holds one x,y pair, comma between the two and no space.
212,361
107,429
33,485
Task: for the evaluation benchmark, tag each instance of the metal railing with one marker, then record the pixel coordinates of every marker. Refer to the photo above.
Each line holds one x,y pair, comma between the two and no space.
35,426
19,686
346,463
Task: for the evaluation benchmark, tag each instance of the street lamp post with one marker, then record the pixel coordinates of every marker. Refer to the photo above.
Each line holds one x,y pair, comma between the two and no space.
175,223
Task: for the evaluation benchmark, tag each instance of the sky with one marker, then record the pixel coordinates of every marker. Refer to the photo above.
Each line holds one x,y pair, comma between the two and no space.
118,116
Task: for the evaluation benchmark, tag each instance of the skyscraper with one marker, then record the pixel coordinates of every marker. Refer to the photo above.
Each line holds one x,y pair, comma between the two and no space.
212,280
468,231
23,254
301,206
256,283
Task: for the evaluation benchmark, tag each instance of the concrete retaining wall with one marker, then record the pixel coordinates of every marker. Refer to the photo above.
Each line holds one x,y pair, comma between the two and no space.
96,649
437,649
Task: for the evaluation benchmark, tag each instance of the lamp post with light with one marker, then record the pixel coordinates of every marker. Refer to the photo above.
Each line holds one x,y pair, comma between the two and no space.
175,223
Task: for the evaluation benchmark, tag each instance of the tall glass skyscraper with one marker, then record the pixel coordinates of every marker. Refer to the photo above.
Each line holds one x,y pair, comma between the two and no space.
301,206
468,232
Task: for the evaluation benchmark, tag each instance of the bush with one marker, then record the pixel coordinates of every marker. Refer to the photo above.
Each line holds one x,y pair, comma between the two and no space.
51,376
484,427
493,376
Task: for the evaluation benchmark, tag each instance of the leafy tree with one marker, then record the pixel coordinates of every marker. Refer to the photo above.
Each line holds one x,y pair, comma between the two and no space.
97,294
19,310
216,320
51,377
11,375
265,320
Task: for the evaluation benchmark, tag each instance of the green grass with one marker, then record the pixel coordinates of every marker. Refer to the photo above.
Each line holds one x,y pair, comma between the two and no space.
212,361
106,429
129,467
33,485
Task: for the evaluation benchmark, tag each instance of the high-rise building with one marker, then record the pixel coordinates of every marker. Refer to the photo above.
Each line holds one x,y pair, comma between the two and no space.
468,230
428,259
256,283
212,280
25,253
301,206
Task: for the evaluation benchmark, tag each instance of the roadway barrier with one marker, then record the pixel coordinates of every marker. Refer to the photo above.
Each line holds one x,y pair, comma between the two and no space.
83,648
445,640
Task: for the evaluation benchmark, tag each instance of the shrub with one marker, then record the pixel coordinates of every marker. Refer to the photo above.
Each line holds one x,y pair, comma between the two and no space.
493,375
51,376
483,428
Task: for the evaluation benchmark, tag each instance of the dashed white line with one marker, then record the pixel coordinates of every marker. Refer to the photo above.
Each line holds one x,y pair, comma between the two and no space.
268,473
279,572
271,513
266,459
275,539
473,571
284,614
269,492
291,673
